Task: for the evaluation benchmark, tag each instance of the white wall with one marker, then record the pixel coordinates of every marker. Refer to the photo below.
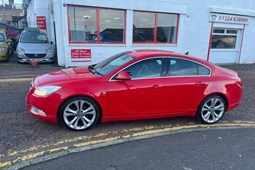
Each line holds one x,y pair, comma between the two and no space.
193,33
196,32
101,51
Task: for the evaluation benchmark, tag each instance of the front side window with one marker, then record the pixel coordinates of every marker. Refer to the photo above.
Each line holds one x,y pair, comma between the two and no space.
181,67
33,37
151,27
224,38
149,68
95,25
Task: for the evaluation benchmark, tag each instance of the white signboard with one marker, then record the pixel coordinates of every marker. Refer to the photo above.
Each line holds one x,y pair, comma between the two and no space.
233,19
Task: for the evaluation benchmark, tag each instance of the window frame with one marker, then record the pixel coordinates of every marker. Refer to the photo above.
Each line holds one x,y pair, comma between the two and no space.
225,33
198,63
162,75
156,28
97,25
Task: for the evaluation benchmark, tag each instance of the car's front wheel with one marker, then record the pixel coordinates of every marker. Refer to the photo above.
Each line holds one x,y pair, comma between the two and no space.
79,113
212,109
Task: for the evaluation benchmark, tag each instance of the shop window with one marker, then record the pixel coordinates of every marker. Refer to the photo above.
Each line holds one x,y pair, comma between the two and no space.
111,25
150,27
95,25
224,38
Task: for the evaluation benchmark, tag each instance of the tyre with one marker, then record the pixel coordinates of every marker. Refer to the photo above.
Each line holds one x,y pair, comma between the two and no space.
79,113
212,109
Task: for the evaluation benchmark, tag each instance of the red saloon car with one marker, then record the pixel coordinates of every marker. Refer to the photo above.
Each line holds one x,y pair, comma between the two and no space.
140,84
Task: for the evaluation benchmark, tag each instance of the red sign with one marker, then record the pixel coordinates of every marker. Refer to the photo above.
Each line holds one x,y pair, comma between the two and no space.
41,22
80,53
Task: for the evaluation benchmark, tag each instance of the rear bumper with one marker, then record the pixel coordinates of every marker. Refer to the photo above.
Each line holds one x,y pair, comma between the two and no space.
234,97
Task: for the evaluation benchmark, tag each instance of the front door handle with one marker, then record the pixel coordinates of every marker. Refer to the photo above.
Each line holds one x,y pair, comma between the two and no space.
200,83
155,86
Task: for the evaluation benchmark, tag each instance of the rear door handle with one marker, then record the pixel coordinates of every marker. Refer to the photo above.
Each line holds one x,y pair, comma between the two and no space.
155,86
200,83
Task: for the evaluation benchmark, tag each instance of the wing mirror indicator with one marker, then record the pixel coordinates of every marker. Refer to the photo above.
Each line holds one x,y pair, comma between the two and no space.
123,76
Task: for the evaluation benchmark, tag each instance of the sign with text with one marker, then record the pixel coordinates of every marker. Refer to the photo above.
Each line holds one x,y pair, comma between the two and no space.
233,19
80,53
41,22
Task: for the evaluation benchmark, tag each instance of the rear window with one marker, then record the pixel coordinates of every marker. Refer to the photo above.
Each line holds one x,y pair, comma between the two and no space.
33,37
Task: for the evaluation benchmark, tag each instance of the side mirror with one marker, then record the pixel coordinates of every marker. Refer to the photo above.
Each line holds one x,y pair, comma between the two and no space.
123,76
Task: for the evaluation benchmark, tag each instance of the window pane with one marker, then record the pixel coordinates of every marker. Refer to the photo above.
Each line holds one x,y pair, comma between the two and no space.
202,70
146,69
166,30
143,28
111,25
108,65
180,67
82,24
216,30
231,31
223,42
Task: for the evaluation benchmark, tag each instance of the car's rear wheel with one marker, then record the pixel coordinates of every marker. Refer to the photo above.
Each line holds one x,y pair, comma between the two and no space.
79,113
212,109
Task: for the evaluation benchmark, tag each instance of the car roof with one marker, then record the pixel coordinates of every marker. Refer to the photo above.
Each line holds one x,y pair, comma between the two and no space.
147,53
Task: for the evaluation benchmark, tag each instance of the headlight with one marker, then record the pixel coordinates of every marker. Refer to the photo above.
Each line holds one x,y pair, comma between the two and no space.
46,90
50,50
2,49
20,50
31,84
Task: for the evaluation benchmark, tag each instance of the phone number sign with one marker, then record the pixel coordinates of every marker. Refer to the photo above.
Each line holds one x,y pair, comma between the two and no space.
233,19
80,53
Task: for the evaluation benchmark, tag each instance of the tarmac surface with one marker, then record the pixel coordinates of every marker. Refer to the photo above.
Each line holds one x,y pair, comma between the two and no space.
197,150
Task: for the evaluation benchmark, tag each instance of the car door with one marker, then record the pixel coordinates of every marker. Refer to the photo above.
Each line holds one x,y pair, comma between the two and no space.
140,97
186,82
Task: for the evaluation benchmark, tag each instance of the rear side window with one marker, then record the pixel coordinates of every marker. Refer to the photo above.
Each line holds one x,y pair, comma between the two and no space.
181,67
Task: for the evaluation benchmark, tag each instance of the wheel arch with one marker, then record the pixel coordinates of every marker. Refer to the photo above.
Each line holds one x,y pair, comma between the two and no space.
218,94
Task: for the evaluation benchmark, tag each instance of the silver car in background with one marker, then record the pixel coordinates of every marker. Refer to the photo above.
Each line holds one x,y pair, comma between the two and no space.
34,46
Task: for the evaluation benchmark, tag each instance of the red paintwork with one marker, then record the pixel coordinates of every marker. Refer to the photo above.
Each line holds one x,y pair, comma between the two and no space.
141,98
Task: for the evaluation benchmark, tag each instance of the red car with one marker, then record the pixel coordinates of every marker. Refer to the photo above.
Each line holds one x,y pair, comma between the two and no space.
141,84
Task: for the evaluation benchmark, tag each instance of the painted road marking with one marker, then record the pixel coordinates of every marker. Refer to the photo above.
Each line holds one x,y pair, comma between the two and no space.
15,80
134,134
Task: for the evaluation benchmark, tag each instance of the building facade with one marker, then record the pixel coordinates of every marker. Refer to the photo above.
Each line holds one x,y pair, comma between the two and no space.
86,32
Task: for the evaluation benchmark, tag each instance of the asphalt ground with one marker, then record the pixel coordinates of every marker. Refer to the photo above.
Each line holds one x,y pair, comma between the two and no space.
195,150
25,140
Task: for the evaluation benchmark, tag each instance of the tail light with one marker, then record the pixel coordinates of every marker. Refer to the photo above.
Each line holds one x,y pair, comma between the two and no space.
239,82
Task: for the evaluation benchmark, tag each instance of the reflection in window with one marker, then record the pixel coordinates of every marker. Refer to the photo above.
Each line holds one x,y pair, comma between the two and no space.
83,25
224,39
149,68
180,67
166,29
111,25
145,27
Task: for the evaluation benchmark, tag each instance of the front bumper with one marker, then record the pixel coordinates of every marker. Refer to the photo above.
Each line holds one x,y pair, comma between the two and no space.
23,58
48,105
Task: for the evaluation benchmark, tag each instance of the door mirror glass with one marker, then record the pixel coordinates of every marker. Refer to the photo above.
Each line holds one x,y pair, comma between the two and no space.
123,76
